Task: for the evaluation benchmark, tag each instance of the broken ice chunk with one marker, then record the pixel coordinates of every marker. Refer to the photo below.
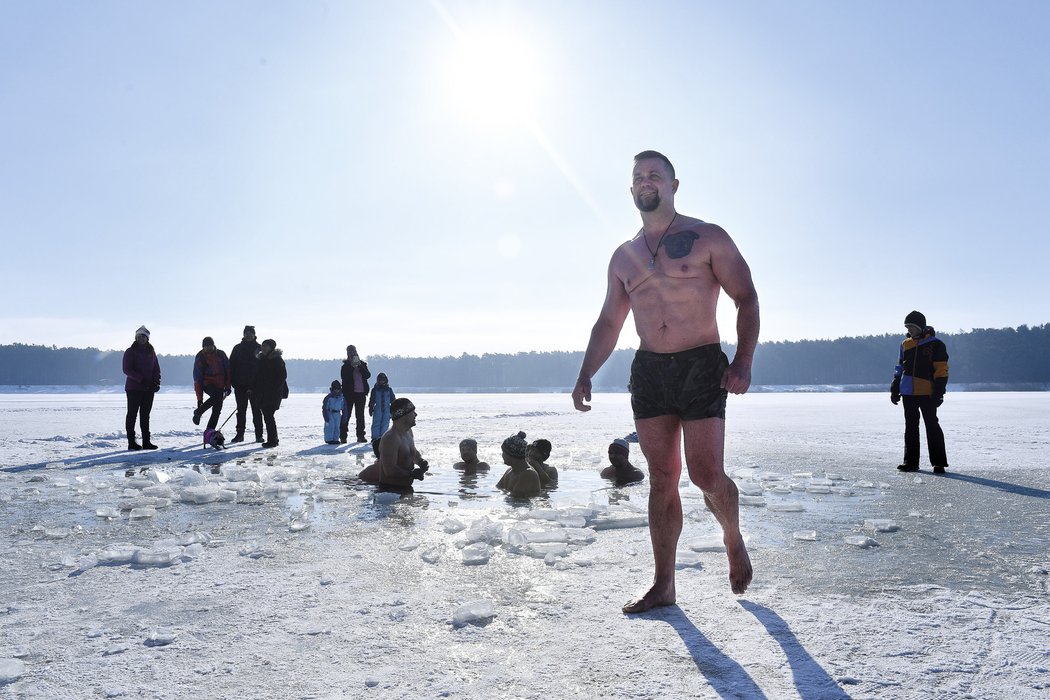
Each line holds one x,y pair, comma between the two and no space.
861,541
477,553
881,525
478,612
805,535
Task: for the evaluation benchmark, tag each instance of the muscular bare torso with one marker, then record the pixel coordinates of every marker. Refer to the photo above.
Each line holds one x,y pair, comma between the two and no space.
674,304
396,452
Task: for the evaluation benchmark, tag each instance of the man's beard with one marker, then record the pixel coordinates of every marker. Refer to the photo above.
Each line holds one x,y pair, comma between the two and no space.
647,202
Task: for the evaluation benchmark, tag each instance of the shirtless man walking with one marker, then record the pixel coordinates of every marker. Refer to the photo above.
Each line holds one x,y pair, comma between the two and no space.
669,275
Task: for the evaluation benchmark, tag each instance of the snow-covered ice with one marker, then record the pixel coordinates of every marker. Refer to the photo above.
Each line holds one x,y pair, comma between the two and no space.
273,573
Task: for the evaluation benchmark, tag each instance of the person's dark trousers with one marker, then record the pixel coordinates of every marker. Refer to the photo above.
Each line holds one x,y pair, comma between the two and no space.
271,424
354,402
140,403
914,406
359,408
214,402
244,397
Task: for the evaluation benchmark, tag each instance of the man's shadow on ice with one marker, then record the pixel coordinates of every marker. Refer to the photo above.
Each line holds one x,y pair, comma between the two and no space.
811,680
1001,485
723,673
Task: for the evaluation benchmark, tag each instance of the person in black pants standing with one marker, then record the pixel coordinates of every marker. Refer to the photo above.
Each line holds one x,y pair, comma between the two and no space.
271,385
355,376
143,381
243,363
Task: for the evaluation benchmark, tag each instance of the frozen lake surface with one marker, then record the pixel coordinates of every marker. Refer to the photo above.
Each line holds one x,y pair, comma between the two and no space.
274,573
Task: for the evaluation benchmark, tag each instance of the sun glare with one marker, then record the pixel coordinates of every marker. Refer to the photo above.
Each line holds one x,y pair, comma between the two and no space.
493,79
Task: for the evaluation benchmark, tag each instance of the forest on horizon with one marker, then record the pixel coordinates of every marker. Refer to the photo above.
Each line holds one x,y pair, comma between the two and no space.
1015,357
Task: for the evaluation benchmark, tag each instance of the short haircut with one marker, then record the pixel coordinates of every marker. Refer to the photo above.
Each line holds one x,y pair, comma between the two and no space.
646,155
543,446
469,441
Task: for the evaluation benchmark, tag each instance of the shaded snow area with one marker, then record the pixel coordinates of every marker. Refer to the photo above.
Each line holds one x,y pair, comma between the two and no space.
255,573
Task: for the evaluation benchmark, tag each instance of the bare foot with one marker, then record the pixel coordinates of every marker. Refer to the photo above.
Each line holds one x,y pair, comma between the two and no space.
739,566
653,598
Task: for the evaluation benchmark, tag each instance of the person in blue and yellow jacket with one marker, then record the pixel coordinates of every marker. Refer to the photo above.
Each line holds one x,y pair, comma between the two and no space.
921,379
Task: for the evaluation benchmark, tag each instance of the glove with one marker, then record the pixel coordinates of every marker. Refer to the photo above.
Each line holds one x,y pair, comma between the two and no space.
227,393
895,398
156,387
423,464
371,410
418,473
199,403
938,399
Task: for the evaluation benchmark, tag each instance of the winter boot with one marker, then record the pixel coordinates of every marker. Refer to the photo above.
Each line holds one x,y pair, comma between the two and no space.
938,469
196,416
133,445
146,444
239,437
908,467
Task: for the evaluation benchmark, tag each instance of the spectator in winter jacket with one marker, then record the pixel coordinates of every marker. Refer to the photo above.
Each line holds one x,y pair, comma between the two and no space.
355,376
211,376
921,378
379,407
271,385
331,412
143,372
243,362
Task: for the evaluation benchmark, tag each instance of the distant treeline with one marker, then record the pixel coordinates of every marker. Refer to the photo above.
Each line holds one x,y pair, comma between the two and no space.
998,356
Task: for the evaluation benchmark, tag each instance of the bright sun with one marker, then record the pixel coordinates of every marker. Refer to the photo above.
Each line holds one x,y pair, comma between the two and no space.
493,79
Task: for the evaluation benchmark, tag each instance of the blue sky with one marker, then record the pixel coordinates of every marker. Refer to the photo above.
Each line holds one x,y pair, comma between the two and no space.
431,178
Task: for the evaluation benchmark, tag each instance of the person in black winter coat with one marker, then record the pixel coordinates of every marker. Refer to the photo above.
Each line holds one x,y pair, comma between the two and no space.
243,363
355,376
271,385
143,381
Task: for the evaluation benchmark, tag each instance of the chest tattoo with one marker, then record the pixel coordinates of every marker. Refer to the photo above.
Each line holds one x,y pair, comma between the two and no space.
679,245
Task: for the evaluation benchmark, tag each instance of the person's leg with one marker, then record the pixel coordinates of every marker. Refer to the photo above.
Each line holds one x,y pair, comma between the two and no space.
704,456
660,440
257,418
134,399
377,419
271,426
384,422
344,420
911,431
934,434
241,397
360,399
215,398
144,410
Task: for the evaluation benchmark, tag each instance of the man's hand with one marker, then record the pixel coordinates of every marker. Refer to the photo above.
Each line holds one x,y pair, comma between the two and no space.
582,393
737,378
226,393
938,400
895,398
199,403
